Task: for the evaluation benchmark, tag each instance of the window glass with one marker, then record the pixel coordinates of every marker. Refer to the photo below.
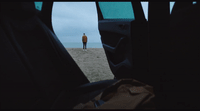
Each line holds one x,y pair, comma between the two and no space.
194,2
117,10
171,6
38,5
145,6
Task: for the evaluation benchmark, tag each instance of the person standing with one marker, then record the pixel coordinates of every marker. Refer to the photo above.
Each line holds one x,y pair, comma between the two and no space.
84,40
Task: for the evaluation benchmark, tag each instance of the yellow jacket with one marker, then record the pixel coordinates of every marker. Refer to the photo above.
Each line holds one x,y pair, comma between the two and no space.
84,38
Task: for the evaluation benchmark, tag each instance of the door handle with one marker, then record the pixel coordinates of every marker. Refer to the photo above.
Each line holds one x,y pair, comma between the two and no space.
114,49
122,26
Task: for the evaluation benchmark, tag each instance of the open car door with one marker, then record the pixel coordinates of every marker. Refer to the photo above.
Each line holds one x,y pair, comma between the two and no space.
123,30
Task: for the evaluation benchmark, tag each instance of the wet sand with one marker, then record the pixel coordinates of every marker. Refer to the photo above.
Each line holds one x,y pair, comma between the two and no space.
92,62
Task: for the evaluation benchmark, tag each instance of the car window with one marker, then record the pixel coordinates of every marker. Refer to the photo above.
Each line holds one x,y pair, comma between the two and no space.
145,6
194,2
38,5
117,10
171,6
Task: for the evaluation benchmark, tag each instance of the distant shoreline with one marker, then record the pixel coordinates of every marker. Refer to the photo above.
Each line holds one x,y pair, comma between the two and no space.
80,45
82,48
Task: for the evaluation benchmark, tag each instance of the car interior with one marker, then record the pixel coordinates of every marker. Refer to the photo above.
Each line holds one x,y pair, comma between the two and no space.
37,72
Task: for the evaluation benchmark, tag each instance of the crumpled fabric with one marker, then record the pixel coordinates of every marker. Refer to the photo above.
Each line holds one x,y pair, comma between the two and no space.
124,94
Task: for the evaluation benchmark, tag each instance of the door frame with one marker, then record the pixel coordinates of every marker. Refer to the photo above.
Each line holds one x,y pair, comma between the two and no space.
46,14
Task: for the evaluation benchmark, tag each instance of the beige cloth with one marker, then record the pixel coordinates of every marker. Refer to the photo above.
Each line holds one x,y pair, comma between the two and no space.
124,94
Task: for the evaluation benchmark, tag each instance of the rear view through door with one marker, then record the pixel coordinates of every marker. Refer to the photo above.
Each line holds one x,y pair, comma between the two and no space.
120,24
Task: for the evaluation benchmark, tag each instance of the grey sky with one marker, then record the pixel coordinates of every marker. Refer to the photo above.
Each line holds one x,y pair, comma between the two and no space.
71,19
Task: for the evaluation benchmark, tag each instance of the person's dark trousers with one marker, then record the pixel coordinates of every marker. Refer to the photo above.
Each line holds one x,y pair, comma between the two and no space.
84,45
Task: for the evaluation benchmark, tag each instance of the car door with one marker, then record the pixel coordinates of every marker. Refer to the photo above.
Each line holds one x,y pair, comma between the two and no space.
123,30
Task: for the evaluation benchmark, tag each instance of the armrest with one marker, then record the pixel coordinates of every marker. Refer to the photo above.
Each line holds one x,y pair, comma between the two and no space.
90,87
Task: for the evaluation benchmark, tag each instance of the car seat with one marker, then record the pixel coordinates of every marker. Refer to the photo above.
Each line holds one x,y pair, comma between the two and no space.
36,69
176,58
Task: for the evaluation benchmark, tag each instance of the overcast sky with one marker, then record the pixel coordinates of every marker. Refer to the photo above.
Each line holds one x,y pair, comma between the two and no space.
71,19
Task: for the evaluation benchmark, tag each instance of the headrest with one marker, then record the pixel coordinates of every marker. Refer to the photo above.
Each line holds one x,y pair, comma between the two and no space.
18,10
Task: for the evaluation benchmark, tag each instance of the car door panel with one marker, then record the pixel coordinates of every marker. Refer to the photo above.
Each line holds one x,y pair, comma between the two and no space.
117,36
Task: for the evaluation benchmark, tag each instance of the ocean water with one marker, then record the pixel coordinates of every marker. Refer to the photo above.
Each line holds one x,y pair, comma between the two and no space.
80,45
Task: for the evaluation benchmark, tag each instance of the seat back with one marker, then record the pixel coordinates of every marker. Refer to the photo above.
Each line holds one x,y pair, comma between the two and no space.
35,67
181,78
174,54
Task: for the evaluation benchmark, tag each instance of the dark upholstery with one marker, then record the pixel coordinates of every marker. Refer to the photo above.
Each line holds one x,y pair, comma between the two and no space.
15,78
158,31
35,67
174,54
181,80
15,10
184,59
179,5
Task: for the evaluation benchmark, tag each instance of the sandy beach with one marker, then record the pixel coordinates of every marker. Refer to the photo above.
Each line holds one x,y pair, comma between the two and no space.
92,62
